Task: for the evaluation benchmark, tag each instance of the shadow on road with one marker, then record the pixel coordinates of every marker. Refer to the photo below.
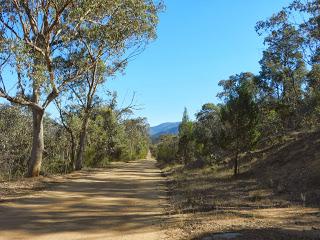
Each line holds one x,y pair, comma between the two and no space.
127,198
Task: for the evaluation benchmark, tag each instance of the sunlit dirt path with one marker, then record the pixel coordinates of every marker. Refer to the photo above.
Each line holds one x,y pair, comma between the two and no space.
123,202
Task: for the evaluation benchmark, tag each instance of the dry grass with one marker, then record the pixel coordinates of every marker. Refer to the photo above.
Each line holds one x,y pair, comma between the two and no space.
267,200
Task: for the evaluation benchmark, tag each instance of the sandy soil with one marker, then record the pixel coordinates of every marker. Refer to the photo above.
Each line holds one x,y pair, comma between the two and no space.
129,202
124,202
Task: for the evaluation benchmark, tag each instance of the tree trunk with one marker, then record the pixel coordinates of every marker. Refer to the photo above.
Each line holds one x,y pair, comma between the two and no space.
71,166
82,142
236,164
37,144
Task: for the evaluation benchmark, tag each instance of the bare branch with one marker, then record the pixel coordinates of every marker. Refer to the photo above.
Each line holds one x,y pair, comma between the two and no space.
9,27
19,100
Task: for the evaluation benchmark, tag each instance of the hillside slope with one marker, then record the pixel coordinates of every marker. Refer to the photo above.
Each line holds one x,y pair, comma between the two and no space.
276,195
291,168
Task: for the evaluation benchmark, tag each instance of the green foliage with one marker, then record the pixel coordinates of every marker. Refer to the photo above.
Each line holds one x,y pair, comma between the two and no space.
240,117
293,47
239,114
283,70
112,139
15,143
167,149
90,42
186,139
255,111
135,145
55,45
208,132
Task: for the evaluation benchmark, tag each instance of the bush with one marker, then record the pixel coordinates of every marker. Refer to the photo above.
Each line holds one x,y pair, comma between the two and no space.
167,149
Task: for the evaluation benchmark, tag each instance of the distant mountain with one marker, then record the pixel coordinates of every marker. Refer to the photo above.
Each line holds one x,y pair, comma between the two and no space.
164,128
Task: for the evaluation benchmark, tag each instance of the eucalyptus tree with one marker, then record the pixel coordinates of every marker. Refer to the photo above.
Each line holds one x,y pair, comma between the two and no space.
239,114
208,130
306,15
108,58
69,119
309,27
39,37
137,138
283,70
113,136
293,48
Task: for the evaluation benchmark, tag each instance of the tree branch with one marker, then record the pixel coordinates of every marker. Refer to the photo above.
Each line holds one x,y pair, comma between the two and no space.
19,100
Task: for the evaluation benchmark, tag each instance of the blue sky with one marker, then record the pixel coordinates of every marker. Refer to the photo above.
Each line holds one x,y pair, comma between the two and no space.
199,43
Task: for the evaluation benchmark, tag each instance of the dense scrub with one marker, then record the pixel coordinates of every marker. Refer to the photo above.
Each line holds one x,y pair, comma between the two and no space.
109,139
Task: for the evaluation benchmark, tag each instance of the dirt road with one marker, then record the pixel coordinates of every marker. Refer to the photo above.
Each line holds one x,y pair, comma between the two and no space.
124,202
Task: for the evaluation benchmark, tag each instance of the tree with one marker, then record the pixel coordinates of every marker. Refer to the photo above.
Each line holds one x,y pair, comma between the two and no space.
136,131
15,143
112,135
107,59
239,115
208,130
105,66
68,118
312,100
186,140
293,48
283,70
309,26
38,37
85,92
167,149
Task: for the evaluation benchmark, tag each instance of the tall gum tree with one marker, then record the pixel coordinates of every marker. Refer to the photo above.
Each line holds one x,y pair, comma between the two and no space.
292,37
38,37
109,55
